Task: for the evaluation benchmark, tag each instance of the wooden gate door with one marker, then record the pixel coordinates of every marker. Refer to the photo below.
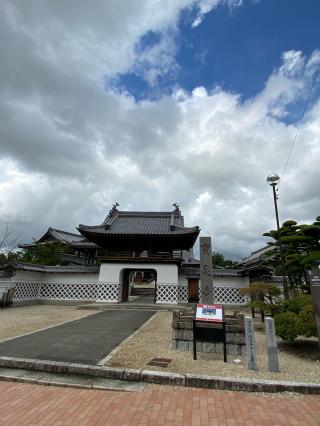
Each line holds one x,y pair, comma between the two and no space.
193,290
125,285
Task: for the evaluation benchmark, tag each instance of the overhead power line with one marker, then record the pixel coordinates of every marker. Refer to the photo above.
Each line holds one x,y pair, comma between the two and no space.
300,122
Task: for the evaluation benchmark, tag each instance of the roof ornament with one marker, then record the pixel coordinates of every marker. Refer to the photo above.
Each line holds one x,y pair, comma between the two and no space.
114,209
176,205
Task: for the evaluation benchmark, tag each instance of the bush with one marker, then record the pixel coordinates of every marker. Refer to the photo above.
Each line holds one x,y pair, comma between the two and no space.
297,304
263,296
297,319
308,322
288,325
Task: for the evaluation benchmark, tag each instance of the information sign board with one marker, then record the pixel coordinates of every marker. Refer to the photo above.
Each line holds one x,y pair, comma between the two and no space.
315,289
209,326
314,276
211,313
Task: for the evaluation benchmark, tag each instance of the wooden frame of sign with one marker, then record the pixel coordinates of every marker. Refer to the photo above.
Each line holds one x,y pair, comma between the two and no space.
209,326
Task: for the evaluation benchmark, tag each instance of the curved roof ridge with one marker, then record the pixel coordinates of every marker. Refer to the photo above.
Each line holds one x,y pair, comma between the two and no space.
64,232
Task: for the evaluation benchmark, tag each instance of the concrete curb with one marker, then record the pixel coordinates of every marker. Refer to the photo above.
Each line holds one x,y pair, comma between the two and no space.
159,377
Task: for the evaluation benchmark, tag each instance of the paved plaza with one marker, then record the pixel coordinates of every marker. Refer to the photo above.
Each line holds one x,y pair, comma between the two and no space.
28,404
87,340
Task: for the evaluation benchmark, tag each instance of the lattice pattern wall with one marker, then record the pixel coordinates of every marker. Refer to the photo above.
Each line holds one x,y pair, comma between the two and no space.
109,292
183,294
68,291
227,296
167,293
26,290
101,291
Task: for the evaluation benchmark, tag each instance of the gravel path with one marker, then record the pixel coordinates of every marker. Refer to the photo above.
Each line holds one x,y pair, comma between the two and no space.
25,319
153,340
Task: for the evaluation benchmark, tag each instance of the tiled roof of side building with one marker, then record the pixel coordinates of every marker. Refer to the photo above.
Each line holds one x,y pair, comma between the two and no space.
68,237
142,223
53,234
84,243
254,256
91,269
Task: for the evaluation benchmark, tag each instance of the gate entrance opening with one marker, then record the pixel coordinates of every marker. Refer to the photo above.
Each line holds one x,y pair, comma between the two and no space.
139,285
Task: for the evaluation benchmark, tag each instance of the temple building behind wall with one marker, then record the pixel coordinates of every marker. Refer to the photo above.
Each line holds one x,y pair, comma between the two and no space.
129,255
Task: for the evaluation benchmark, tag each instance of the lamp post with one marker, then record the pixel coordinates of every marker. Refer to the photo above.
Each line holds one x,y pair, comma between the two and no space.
273,180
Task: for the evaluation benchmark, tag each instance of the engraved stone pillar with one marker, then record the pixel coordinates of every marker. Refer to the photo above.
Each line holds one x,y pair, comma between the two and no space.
272,346
250,344
206,273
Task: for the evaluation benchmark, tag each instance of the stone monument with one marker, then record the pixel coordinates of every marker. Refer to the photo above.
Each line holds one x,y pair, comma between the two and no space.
272,349
250,344
206,272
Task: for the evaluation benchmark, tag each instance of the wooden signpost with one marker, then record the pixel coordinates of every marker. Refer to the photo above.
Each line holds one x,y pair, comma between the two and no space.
209,326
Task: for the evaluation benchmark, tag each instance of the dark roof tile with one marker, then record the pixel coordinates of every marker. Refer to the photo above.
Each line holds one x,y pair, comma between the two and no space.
92,269
141,223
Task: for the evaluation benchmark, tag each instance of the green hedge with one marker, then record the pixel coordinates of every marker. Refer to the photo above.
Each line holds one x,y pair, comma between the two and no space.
297,304
296,319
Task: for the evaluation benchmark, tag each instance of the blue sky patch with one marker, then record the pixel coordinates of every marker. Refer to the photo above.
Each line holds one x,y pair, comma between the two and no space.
236,49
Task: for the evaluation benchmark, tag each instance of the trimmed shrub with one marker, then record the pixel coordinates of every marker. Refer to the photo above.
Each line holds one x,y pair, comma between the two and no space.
288,326
297,319
297,304
308,322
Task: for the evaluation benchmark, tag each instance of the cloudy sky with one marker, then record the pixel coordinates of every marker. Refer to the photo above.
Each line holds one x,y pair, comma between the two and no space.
151,102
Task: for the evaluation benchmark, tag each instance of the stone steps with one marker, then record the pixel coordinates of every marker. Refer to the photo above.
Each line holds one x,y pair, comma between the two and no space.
142,291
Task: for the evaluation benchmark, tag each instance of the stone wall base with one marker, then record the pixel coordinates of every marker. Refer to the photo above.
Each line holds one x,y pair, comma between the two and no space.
182,334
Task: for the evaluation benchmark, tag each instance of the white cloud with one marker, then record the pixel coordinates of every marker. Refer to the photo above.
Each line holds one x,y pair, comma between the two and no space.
206,6
70,148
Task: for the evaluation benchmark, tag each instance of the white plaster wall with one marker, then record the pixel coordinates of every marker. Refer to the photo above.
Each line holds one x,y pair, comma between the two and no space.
56,277
166,273
222,281
70,278
182,280
231,281
28,276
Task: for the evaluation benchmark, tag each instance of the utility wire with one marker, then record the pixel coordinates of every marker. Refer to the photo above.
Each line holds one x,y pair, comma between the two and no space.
300,122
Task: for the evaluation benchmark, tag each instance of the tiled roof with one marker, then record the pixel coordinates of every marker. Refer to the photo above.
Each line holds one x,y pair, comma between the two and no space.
254,256
53,234
141,223
65,236
92,269
84,243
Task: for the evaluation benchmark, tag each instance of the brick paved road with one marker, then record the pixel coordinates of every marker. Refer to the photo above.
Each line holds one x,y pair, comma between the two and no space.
27,404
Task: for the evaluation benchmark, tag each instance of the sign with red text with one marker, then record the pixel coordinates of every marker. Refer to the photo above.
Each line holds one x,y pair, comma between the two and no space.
211,313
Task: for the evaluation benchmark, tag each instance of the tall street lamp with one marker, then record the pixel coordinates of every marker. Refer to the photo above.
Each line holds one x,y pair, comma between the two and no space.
273,180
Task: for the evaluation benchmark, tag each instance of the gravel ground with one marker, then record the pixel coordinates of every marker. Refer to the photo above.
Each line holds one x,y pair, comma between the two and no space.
25,319
297,363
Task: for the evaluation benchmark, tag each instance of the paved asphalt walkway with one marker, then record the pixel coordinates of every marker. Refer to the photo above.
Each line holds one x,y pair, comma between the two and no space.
85,341
28,404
